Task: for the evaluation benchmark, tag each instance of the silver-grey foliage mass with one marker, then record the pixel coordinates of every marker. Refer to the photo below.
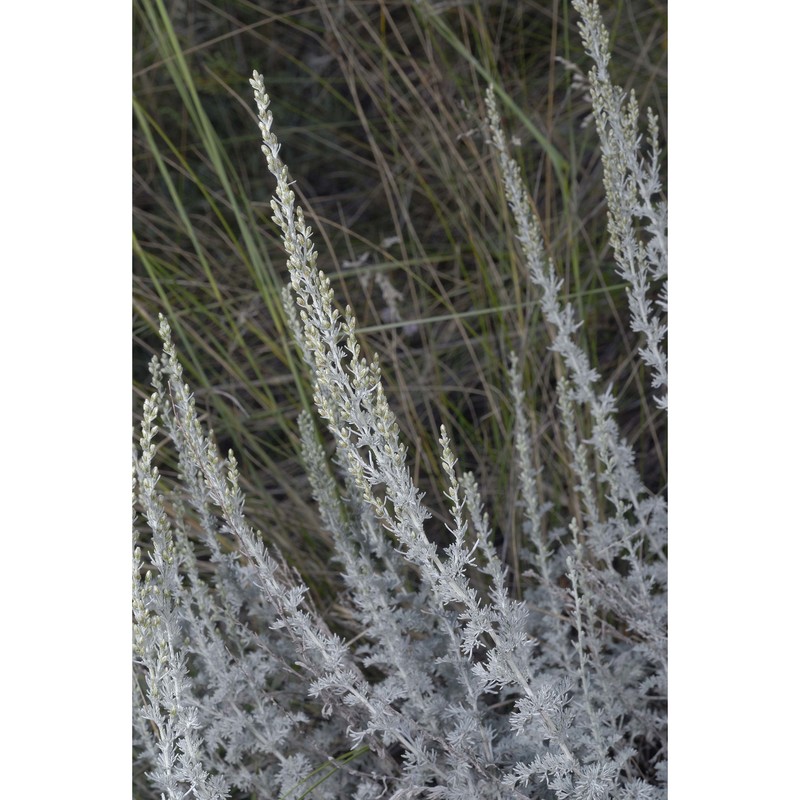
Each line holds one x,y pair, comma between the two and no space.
454,689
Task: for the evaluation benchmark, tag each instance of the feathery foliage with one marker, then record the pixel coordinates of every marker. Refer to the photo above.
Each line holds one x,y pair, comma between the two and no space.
457,666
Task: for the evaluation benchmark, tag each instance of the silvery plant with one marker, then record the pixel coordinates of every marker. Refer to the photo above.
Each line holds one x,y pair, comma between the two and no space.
455,687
